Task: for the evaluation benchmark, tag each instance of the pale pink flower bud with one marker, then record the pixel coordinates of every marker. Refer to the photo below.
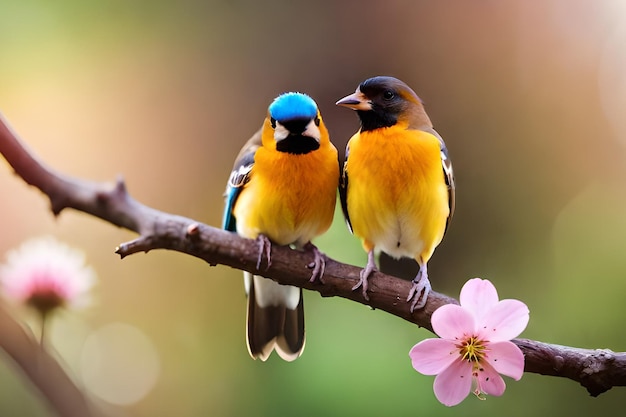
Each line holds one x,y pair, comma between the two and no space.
46,274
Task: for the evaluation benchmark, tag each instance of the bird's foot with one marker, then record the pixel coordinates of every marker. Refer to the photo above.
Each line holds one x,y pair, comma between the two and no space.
318,265
365,273
421,285
265,249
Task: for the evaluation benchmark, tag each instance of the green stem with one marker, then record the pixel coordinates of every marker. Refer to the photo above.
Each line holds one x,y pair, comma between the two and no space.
42,335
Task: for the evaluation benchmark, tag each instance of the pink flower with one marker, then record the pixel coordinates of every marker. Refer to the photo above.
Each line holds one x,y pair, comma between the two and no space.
475,346
46,274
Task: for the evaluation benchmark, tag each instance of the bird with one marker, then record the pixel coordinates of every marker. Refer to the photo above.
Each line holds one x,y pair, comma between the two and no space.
397,186
282,191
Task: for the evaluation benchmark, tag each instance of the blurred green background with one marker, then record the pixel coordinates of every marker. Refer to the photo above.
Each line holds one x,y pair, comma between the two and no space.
529,96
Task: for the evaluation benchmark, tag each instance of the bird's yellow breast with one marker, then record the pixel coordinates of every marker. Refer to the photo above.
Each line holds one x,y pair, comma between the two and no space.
397,196
290,198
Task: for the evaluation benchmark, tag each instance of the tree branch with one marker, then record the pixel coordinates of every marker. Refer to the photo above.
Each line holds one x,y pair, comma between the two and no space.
41,368
597,370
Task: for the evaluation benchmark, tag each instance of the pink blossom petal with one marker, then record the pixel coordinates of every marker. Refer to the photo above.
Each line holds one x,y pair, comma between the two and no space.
506,358
478,296
489,381
454,384
452,322
504,321
432,356
46,271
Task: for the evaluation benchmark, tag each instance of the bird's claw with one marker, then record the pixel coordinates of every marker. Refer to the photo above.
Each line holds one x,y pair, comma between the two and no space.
421,285
318,265
364,275
265,249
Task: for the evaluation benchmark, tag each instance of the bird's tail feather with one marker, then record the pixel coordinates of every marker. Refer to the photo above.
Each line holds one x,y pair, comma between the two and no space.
274,327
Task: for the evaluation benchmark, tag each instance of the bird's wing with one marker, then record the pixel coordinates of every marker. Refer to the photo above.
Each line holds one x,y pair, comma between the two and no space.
447,172
343,189
239,177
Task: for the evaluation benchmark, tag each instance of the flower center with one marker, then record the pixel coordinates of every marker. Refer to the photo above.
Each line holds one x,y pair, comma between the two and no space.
45,300
472,349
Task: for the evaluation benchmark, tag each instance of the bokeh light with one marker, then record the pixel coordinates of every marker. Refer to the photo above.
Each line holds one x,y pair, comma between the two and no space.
119,364
612,71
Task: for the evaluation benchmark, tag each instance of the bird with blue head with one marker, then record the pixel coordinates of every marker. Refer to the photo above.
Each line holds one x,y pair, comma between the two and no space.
282,191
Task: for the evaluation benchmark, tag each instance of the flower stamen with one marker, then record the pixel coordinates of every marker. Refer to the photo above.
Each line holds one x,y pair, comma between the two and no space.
472,349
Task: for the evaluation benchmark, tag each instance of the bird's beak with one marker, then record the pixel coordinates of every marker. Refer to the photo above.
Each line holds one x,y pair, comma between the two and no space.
356,101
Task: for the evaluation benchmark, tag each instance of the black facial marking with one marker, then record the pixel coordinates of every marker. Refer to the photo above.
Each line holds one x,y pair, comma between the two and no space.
387,103
297,144
296,126
372,119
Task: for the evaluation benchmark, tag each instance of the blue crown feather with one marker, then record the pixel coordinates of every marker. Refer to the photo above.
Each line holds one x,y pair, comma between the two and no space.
291,106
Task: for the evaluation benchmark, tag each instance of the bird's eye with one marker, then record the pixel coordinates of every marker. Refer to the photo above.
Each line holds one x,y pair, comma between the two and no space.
388,95
317,121
273,122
